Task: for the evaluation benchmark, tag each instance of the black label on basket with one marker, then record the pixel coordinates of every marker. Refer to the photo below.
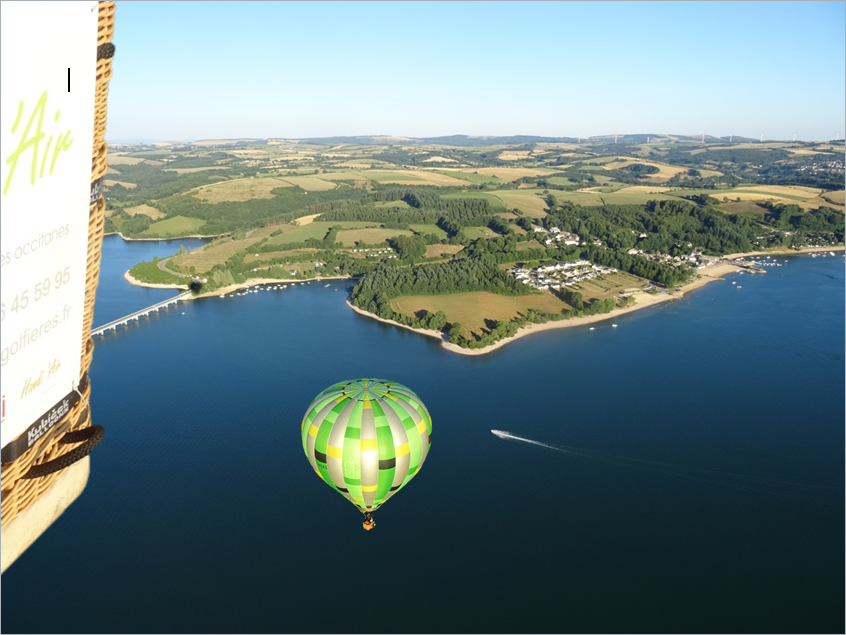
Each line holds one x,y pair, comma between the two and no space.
42,426
97,189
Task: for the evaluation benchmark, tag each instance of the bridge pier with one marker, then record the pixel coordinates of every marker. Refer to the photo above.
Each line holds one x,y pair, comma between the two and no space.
112,326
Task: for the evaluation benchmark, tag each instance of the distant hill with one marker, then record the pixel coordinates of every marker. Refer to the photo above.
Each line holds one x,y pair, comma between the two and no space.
459,140
451,140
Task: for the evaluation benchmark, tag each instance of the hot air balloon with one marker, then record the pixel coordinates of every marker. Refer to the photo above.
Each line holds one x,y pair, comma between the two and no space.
367,438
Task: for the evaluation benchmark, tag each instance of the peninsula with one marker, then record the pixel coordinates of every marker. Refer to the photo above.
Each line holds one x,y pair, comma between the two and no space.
477,242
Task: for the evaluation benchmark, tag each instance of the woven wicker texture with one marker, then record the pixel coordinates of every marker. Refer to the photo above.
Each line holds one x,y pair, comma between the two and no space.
17,493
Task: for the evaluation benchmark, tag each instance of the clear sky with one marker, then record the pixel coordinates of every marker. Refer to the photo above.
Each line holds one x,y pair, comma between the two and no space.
199,70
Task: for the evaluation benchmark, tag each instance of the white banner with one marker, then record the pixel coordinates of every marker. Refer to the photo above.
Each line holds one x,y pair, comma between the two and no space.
48,58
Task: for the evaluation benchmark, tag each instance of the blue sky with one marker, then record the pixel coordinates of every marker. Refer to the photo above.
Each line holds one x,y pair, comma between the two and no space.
199,70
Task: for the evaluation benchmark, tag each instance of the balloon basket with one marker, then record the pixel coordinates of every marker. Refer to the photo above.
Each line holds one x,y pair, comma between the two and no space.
33,498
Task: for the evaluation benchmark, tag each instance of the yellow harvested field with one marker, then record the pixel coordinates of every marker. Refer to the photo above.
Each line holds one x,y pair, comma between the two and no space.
153,162
527,201
404,177
128,186
310,183
816,203
706,173
119,159
111,170
438,160
352,175
371,235
435,178
802,151
838,198
305,220
146,210
806,197
218,251
239,190
786,190
355,164
514,155
440,250
788,193
427,178
649,189
471,309
509,174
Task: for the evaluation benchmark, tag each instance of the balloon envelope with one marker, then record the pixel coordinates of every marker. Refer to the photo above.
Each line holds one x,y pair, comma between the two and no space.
367,438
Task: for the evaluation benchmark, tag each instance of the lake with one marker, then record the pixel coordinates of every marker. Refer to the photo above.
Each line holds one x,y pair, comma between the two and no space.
682,472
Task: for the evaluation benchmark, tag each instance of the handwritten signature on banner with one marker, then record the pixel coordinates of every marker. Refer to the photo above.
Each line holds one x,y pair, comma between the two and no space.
30,140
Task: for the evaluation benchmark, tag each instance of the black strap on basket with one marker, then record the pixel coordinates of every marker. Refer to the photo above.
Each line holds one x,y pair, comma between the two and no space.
91,436
105,51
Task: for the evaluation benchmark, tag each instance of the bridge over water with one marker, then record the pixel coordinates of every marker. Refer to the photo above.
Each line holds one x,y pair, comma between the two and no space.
112,326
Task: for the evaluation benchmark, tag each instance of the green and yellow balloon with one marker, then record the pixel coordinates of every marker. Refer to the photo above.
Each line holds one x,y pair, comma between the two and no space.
367,438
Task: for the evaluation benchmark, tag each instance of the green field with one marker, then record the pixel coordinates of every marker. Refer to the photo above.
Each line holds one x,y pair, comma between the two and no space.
429,229
218,251
479,232
471,309
488,196
176,226
399,204
149,272
608,285
316,230
372,236
529,201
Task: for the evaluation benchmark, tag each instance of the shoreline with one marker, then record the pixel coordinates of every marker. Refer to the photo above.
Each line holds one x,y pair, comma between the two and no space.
129,240
251,282
785,251
642,301
150,285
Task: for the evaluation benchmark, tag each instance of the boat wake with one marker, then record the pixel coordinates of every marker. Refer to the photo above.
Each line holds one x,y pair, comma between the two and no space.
832,495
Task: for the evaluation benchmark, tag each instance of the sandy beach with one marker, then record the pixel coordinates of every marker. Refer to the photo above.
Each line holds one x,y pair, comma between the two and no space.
784,252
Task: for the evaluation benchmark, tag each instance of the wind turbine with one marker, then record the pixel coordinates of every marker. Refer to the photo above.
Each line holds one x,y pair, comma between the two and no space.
615,138
731,136
794,136
762,137
703,137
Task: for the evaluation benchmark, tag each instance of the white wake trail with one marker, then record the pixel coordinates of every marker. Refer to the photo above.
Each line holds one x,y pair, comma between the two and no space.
502,434
831,494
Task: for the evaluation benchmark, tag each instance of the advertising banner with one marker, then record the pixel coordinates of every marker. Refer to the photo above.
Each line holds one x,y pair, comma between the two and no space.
48,57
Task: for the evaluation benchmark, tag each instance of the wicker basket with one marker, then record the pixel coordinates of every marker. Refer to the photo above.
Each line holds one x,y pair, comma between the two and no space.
19,493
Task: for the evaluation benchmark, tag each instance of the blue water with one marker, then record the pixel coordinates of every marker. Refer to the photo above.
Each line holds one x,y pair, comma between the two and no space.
689,477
